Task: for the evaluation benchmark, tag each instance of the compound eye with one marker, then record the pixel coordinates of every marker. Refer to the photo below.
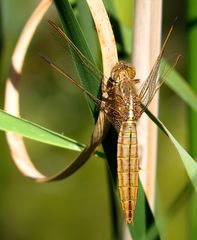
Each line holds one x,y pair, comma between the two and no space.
131,71
115,73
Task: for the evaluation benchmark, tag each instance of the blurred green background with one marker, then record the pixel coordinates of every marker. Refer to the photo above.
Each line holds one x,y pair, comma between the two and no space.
78,207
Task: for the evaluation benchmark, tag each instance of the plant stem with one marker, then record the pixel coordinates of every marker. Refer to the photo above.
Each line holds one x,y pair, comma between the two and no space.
146,47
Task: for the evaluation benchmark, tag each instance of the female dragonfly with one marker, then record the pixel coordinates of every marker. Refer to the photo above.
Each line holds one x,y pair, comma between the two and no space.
123,103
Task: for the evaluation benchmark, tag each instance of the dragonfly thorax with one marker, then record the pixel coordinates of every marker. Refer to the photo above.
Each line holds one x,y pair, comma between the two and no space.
122,71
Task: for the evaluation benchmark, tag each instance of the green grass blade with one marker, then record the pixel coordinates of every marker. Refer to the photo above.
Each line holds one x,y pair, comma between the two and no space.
36,132
33,131
88,28
177,83
74,32
189,163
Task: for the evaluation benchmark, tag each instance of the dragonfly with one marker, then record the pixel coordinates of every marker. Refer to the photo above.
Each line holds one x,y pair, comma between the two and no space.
123,103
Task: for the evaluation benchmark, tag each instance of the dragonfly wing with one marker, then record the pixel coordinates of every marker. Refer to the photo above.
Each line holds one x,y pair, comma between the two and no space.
161,80
68,47
113,117
153,82
151,93
104,105
67,76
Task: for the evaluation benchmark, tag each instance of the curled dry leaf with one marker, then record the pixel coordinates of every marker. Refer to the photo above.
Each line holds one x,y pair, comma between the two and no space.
15,142
109,53
109,56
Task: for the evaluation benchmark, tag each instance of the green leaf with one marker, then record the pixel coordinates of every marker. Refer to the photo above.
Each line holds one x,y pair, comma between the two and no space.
177,83
88,28
188,161
74,32
34,131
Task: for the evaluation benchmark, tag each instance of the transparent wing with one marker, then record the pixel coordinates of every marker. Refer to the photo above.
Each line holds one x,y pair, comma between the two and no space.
105,105
154,82
72,52
150,94
69,48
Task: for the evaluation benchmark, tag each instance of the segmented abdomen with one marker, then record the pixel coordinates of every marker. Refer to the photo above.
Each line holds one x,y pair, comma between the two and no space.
127,157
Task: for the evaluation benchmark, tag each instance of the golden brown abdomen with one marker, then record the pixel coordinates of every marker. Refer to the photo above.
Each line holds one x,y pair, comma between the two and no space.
127,157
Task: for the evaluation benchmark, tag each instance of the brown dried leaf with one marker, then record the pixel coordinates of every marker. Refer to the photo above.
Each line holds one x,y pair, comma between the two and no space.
16,144
109,53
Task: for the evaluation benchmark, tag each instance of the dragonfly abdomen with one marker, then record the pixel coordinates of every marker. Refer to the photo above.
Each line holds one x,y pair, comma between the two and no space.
127,157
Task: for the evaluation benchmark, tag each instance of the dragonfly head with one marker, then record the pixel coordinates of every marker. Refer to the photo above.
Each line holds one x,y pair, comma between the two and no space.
122,71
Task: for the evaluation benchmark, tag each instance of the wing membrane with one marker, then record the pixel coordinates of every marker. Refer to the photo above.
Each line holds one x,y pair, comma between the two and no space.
69,46
105,105
148,98
154,82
